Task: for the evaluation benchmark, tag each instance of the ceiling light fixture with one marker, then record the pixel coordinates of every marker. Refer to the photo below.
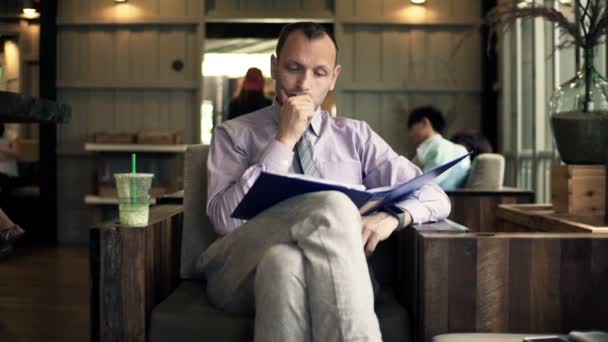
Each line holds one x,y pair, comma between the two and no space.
28,8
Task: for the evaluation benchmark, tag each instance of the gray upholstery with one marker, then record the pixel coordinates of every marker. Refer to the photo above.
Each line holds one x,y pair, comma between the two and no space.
187,316
197,232
480,337
487,172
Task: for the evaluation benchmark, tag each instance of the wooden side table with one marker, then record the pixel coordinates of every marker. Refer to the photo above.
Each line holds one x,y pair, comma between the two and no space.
476,209
506,282
542,218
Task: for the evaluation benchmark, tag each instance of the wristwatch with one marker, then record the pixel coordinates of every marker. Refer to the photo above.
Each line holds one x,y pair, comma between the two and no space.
397,213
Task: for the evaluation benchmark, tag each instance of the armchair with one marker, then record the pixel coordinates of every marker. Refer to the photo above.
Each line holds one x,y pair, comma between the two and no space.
144,288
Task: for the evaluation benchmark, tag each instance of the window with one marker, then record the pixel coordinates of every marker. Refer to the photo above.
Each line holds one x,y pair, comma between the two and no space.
531,67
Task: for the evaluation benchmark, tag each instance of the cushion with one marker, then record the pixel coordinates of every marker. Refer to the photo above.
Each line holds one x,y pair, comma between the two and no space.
187,316
197,232
487,172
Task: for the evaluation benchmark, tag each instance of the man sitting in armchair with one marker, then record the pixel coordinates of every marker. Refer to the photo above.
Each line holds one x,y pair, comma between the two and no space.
304,260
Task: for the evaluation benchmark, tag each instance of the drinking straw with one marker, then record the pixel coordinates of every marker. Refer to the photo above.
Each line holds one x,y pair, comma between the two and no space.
133,171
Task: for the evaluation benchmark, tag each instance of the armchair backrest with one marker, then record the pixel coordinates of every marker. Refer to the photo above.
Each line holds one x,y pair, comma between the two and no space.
487,172
197,231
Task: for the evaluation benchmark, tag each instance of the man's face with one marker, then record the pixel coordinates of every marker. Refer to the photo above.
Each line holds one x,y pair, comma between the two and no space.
419,132
306,67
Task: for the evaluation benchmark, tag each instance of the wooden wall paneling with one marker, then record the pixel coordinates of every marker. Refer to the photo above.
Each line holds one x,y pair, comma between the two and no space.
468,56
144,54
72,136
544,286
105,9
393,121
365,8
395,56
345,104
315,5
438,10
576,295
367,106
122,55
392,8
492,285
194,8
193,56
101,62
100,112
419,54
438,65
434,294
462,278
172,46
125,117
150,115
173,8
182,115
346,57
520,276
599,268
466,10
367,50
344,8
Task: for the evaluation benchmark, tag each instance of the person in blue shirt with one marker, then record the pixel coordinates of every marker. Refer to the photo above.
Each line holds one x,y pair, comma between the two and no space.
425,125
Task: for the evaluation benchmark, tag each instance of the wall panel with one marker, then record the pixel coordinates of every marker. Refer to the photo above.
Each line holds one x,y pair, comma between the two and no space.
118,110
142,54
436,11
270,8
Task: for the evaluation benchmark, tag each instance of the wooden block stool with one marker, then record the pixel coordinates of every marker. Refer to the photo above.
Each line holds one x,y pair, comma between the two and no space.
578,189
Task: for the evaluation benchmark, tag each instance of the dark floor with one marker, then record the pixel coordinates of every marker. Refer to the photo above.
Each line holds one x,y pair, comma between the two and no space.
44,295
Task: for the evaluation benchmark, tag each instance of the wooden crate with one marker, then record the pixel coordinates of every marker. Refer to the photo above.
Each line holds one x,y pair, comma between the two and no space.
105,190
114,138
578,189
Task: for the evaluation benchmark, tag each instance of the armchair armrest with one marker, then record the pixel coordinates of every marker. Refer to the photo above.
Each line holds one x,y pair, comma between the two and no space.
506,282
172,198
131,270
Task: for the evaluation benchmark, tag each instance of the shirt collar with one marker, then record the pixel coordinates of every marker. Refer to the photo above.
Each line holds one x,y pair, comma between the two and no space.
315,123
425,144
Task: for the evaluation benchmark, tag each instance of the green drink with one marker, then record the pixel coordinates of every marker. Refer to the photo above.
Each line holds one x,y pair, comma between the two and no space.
133,197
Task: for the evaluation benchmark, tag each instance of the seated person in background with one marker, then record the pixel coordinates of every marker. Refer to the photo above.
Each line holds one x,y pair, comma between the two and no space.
251,97
472,140
425,126
303,261
9,151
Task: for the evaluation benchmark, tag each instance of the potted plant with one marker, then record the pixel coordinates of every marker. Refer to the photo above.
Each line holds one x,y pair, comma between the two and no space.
579,107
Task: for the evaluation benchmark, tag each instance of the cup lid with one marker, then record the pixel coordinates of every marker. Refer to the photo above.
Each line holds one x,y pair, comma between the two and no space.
134,175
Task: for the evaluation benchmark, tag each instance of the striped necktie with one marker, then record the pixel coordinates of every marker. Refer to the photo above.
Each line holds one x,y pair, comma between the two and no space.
304,148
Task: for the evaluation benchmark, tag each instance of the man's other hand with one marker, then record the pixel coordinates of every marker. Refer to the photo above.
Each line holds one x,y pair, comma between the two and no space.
296,113
378,227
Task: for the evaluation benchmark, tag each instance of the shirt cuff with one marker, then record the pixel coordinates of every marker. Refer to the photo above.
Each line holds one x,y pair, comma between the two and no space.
415,208
277,157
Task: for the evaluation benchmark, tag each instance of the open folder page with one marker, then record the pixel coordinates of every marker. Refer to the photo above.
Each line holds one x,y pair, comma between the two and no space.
272,188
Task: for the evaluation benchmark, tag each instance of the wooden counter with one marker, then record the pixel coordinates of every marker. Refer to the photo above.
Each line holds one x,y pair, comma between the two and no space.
542,218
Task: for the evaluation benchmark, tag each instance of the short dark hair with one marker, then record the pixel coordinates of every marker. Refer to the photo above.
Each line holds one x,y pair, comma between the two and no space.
1,129
431,113
473,140
311,31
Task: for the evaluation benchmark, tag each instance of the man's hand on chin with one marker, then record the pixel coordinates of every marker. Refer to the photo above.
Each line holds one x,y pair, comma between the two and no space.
378,227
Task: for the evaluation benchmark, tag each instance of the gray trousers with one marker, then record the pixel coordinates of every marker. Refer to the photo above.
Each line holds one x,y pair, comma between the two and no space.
300,268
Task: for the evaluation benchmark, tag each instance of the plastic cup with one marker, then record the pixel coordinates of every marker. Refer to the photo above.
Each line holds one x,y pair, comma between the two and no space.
133,197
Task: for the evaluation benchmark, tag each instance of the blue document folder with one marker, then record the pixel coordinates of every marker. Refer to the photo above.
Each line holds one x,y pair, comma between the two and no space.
272,188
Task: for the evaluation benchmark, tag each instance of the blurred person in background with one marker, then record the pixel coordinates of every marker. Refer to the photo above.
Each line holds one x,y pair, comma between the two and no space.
251,97
425,125
9,151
